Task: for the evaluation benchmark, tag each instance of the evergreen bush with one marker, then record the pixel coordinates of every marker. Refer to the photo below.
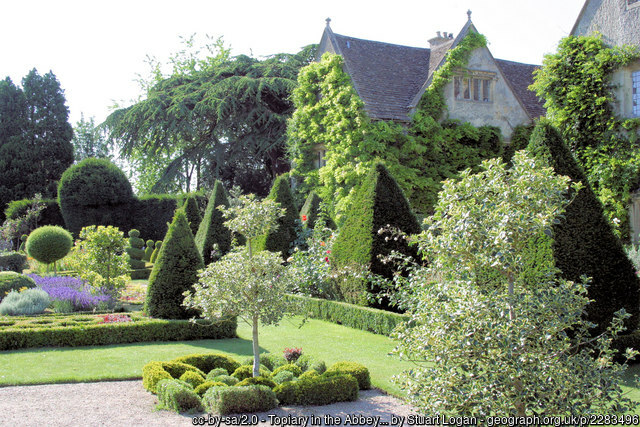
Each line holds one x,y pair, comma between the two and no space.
236,400
13,261
156,251
206,362
12,281
150,245
135,251
584,243
356,370
318,390
178,396
174,272
379,202
193,213
49,244
212,230
311,210
280,238
192,378
30,301
95,192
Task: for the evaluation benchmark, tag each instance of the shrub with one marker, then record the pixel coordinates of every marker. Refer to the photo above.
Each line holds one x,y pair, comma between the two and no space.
136,254
310,373
272,360
12,281
209,361
202,388
319,390
230,400
192,378
216,372
49,243
175,271
292,354
30,301
212,230
246,371
266,381
294,369
283,377
280,238
178,396
358,371
379,202
584,243
306,362
226,379
95,192
156,251
49,215
148,250
311,210
13,261
192,211
154,372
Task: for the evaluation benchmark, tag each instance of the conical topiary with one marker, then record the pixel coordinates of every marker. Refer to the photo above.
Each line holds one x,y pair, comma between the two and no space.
174,272
584,243
312,209
193,213
156,251
212,230
378,202
281,238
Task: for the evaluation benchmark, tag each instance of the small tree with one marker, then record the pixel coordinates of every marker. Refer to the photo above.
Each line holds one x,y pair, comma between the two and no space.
503,334
245,283
49,244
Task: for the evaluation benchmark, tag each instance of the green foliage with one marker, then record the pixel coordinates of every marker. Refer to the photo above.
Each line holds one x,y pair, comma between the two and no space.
176,395
246,371
259,380
216,372
307,374
193,213
88,140
156,251
226,379
154,372
280,238
283,377
148,250
309,363
192,378
519,141
354,316
135,251
584,243
25,216
29,301
490,334
13,261
379,203
294,369
356,370
272,361
94,192
202,388
174,273
576,85
209,361
100,259
212,230
34,137
319,390
233,400
12,281
49,244
311,210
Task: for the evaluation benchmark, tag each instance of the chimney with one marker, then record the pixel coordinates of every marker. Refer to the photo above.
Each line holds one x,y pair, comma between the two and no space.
439,39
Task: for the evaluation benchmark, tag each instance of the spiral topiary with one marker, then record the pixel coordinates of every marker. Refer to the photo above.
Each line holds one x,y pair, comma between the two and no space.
148,251
135,250
49,244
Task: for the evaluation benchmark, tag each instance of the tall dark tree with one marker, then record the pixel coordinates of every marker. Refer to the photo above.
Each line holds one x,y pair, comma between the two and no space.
35,137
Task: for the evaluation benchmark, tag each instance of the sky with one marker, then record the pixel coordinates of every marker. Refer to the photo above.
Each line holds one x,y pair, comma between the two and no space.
97,48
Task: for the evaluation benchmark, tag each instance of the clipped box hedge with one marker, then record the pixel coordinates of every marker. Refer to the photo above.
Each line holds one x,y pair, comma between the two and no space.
364,318
73,331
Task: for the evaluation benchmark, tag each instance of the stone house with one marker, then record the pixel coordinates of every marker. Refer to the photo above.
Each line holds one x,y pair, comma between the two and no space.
392,78
618,21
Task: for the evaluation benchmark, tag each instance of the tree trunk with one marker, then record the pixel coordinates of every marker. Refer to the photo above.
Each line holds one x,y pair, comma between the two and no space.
256,348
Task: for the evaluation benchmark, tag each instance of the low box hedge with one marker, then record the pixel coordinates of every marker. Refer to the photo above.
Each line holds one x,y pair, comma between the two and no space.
364,318
83,330
318,390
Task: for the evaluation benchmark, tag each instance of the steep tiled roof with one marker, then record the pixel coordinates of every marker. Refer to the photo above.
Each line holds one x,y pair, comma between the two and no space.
386,76
520,77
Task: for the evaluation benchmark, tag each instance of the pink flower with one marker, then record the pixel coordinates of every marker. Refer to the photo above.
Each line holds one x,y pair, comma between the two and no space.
326,259
304,217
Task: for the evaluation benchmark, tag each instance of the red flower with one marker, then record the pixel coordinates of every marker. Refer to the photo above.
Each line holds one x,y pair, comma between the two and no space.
304,217
326,259
329,251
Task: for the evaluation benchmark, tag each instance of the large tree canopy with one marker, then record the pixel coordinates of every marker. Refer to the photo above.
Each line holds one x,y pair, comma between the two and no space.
219,118
35,137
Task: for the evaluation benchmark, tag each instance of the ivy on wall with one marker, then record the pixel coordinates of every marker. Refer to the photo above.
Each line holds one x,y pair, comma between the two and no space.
576,85
330,113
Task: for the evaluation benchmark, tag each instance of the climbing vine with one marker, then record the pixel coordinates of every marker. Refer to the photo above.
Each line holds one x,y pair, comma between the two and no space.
576,85
330,114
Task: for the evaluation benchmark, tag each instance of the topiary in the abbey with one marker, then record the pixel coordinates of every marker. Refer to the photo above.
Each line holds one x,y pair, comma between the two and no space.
174,272
95,192
137,256
379,202
193,213
584,243
212,230
280,238
148,250
312,209
156,251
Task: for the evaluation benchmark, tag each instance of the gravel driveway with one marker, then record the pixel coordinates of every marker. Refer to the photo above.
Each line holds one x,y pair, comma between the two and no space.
126,403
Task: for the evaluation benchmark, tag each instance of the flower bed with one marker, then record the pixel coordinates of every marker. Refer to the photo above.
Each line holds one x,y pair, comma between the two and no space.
100,329
70,294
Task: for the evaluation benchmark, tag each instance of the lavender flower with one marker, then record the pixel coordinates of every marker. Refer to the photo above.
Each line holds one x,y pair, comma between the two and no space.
72,289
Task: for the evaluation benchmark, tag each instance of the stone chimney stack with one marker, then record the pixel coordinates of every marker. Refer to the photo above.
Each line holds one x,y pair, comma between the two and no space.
439,39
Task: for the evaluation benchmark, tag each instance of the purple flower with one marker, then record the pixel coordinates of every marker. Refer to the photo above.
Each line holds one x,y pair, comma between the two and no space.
73,289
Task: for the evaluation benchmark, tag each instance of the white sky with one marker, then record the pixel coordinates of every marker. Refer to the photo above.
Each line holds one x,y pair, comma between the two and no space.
96,48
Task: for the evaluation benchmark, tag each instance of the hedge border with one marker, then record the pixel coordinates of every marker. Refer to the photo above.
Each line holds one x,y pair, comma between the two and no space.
115,333
364,318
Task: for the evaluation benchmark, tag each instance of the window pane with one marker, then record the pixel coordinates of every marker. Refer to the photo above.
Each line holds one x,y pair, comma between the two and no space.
485,90
476,89
636,93
456,87
466,89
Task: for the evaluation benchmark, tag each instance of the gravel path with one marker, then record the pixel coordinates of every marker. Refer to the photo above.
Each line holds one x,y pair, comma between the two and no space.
126,403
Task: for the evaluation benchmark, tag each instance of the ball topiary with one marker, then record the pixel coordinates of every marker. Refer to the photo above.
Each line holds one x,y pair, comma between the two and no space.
212,231
358,371
281,238
193,213
49,244
175,272
95,192
12,281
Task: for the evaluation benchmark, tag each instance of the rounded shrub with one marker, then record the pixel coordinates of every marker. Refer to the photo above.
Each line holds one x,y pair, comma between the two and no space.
30,301
148,250
13,261
192,378
207,362
283,377
294,369
178,396
154,372
226,379
237,400
95,192
12,281
49,243
308,374
306,362
257,381
272,360
319,390
202,388
216,372
357,370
